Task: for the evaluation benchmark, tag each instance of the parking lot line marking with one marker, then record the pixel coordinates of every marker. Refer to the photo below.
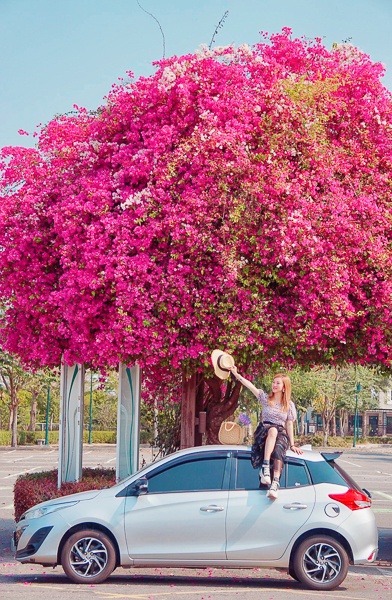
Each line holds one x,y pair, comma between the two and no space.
350,463
8,487
385,572
22,472
7,507
23,458
109,461
11,451
215,591
384,495
89,452
228,590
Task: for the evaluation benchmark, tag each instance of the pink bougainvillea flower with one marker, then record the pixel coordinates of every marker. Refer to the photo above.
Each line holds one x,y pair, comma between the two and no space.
237,198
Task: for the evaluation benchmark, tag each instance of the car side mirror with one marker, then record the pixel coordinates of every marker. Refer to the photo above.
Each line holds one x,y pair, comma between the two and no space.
140,486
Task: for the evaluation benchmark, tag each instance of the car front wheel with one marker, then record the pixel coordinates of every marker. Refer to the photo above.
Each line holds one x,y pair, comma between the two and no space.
320,563
88,556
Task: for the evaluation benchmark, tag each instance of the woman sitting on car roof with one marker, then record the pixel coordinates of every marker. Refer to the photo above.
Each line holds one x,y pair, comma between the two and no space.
274,434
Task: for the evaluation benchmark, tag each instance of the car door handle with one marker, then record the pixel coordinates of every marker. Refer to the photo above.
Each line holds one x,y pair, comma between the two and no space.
295,505
212,508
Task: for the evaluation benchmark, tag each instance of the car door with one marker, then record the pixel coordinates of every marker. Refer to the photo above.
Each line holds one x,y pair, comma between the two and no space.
182,516
260,529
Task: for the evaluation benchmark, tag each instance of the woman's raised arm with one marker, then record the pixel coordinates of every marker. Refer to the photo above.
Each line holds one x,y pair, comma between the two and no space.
245,382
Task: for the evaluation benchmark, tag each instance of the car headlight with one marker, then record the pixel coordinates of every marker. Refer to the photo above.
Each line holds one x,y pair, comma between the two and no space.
35,513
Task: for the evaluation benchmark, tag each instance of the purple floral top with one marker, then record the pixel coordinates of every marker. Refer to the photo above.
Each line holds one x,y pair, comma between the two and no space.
273,414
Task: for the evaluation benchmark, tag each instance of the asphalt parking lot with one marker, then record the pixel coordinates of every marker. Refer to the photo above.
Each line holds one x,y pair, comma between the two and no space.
370,467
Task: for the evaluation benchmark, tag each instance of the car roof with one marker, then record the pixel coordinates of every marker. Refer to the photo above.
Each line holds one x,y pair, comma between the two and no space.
308,453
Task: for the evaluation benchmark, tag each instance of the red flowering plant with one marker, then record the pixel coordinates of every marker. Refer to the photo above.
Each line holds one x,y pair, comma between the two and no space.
237,198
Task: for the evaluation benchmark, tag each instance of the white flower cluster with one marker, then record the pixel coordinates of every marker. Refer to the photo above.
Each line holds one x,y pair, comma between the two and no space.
171,73
136,198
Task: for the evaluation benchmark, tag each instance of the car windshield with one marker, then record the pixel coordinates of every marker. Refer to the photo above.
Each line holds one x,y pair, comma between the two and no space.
142,470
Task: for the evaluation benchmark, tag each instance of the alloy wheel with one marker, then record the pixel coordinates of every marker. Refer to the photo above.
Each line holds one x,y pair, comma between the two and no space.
321,563
88,557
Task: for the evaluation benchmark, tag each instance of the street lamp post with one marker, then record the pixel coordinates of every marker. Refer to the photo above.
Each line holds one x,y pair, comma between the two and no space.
356,414
47,417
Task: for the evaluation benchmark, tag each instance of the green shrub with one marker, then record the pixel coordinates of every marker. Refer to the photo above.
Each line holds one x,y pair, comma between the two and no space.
33,488
337,442
146,437
30,437
5,438
316,440
100,437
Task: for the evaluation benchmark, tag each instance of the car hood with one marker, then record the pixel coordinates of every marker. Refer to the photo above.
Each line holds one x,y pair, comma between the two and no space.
89,495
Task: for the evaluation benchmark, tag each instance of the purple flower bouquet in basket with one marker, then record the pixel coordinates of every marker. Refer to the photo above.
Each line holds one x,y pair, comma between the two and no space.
244,419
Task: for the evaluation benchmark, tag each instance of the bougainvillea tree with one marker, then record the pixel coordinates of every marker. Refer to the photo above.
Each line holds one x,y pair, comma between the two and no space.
237,198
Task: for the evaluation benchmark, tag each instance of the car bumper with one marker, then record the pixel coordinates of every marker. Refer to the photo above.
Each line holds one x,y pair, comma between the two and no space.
360,530
32,541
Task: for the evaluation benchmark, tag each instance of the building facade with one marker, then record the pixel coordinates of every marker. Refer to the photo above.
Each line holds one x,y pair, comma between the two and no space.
375,422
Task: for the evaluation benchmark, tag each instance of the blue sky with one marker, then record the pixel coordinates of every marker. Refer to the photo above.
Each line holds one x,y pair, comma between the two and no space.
56,53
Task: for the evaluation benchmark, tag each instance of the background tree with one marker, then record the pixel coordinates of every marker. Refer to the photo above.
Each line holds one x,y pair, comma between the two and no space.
13,378
238,197
338,391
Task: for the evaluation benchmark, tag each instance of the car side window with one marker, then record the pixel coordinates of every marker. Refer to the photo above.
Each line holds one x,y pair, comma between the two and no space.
297,475
247,478
189,476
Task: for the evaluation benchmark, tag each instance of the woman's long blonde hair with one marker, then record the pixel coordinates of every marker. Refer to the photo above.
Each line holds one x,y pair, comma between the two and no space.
286,395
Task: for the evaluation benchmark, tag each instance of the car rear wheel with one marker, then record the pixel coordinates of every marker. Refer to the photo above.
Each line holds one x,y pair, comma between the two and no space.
88,556
320,563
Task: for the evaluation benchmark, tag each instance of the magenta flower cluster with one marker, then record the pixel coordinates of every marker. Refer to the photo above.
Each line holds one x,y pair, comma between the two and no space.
238,198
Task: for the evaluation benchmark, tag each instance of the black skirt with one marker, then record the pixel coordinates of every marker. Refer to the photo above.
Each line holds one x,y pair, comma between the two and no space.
281,446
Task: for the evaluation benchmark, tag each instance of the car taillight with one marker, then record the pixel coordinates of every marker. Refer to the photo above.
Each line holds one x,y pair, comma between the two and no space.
352,499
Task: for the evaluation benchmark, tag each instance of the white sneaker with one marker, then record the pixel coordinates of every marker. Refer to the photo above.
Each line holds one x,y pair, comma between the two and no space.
265,476
273,492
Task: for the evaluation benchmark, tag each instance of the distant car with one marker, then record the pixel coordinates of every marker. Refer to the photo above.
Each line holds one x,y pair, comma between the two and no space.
204,507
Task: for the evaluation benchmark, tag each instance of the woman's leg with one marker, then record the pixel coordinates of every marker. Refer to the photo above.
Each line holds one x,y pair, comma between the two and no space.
270,443
278,468
278,455
265,476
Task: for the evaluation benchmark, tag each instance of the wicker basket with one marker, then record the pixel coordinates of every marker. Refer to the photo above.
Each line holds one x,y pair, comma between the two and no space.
231,433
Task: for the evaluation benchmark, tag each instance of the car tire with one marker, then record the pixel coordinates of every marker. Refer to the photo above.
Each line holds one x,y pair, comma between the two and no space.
292,573
88,556
320,563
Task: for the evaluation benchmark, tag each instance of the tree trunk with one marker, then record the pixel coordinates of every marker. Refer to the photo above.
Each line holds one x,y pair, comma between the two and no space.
219,408
365,427
334,423
199,407
33,412
345,422
325,432
302,424
341,426
10,418
188,411
14,437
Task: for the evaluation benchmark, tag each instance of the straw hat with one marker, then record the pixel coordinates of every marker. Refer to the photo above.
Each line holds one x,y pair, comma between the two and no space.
221,361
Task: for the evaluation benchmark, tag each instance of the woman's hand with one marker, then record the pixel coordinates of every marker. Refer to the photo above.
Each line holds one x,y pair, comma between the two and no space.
296,450
233,370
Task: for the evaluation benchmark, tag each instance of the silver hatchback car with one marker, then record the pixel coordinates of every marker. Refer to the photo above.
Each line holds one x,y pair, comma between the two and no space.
205,507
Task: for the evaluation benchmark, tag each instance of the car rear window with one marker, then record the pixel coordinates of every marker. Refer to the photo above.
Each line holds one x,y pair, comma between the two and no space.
326,472
349,480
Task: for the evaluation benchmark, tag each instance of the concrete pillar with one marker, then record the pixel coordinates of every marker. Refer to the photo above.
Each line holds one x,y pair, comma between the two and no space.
128,420
71,423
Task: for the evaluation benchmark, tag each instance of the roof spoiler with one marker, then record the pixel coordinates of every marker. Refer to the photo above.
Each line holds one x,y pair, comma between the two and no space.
331,456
